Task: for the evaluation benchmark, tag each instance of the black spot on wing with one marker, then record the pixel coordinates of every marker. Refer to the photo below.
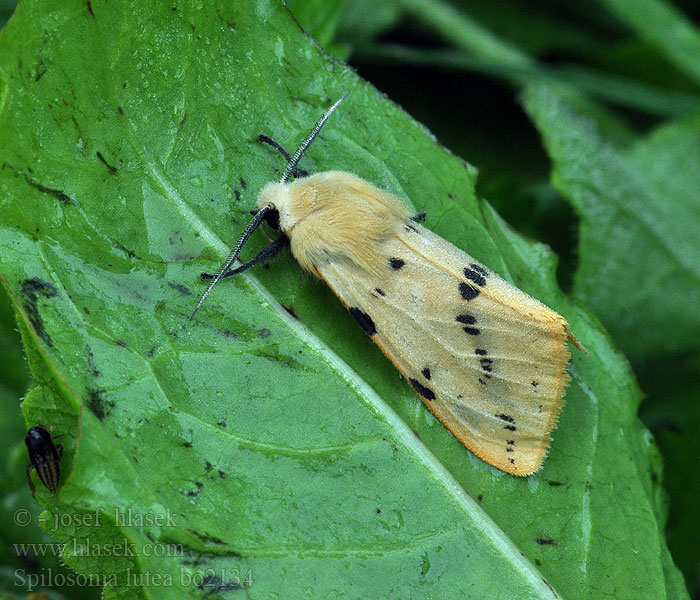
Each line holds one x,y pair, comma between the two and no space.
480,352
466,319
506,418
468,292
396,263
427,393
479,269
486,364
426,373
379,291
364,320
472,275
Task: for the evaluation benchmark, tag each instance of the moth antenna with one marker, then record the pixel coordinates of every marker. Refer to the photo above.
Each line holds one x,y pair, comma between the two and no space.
252,226
292,164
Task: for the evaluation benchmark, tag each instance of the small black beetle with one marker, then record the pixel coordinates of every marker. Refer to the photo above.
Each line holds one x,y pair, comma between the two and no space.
44,457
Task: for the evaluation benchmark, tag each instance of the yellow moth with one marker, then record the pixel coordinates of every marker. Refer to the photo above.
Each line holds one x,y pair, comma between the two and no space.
487,359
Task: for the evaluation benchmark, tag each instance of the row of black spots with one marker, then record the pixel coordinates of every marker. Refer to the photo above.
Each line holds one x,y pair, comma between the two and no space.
423,391
396,263
508,419
468,320
364,320
485,365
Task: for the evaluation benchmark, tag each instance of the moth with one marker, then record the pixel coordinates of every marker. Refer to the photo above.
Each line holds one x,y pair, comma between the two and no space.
487,359
44,457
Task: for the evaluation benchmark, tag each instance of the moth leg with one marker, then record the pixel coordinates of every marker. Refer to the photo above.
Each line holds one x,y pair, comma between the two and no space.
297,172
267,253
29,480
419,217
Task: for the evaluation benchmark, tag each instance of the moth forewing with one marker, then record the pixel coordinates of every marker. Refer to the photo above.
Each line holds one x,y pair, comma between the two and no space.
487,359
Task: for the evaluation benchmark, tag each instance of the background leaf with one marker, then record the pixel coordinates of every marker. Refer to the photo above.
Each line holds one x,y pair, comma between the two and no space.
284,447
645,297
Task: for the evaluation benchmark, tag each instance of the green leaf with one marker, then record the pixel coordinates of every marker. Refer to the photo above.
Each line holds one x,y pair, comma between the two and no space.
666,27
256,450
639,268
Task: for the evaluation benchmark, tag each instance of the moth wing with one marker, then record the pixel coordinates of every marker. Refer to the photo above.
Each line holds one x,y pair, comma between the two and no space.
487,359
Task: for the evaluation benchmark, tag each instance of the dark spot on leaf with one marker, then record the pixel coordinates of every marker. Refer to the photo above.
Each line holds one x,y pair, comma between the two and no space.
32,289
180,288
98,405
264,332
58,194
545,541
110,168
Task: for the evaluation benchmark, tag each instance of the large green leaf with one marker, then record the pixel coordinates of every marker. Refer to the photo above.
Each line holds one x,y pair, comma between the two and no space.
282,447
639,265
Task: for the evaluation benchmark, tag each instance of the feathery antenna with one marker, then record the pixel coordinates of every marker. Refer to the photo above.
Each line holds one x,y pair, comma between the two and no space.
260,215
309,139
